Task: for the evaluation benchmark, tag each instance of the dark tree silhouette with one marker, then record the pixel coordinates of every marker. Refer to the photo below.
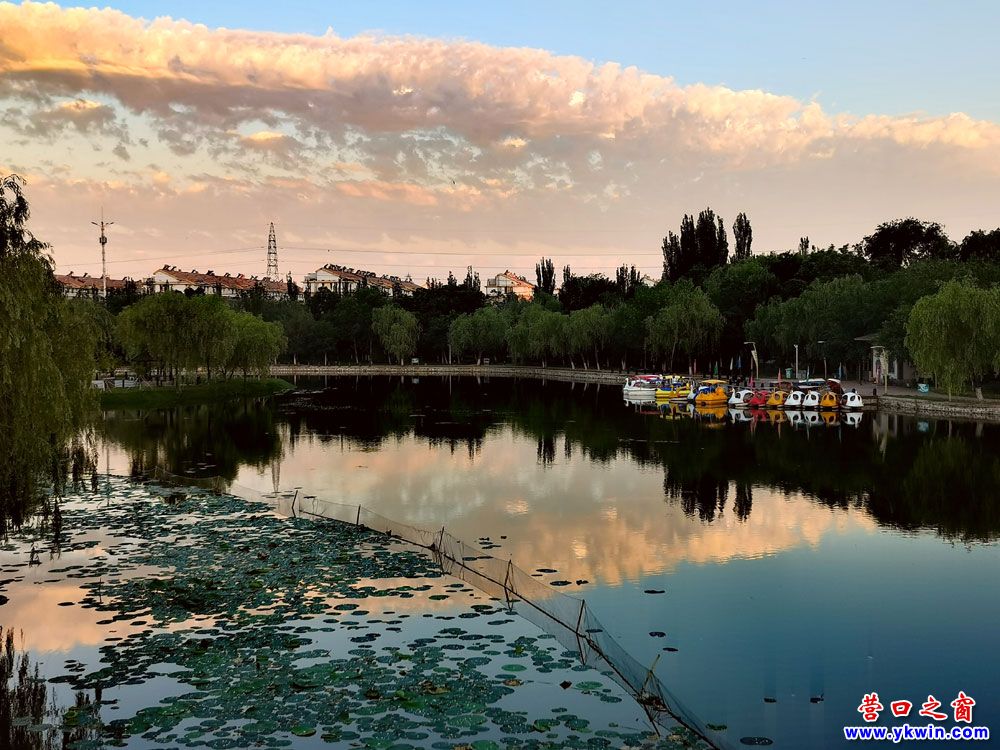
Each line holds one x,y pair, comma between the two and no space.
689,246
671,257
471,280
743,235
701,247
899,243
627,279
545,275
980,245
721,245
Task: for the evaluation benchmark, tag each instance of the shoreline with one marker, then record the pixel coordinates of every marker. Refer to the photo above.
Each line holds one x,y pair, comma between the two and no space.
609,377
987,410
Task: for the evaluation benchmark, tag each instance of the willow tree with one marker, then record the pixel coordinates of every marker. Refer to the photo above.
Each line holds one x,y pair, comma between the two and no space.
46,359
397,329
256,344
954,335
687,322
483,331
588,331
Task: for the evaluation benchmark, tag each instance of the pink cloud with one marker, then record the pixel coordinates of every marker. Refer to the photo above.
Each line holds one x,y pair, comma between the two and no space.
423,143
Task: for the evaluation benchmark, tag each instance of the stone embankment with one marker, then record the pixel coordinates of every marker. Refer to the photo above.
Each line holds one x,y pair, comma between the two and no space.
611,377
987,410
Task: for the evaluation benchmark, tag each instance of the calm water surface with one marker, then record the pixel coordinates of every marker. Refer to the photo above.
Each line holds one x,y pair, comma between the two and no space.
803,566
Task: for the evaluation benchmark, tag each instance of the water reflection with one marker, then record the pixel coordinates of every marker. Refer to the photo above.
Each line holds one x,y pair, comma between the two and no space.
905,474
748,518
217,440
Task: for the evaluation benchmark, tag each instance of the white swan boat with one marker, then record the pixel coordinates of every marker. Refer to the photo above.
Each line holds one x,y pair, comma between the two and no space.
852,400
794,400
740,397
811,399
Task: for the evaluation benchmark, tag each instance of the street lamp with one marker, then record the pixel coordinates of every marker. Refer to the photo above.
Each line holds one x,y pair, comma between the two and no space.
796,361
821,342
753,352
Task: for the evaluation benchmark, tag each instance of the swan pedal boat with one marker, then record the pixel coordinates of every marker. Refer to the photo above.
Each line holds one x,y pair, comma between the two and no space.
675,388
711,393
741,397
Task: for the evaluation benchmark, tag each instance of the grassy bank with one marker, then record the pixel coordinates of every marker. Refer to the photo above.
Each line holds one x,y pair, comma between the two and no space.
188,395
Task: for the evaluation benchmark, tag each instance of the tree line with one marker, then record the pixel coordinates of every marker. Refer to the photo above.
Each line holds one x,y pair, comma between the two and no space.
830,304
835,303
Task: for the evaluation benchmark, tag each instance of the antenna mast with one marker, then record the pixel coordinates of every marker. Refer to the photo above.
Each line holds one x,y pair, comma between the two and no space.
104,261
272,255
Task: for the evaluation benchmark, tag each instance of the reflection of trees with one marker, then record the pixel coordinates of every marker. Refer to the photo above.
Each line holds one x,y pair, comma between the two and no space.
72,463
222,436
953,485
547,450
914,478
29,720
744,501
23,693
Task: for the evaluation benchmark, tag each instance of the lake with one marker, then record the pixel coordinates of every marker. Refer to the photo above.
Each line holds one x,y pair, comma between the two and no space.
771,572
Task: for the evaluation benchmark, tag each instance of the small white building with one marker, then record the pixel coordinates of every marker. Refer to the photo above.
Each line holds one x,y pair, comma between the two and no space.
343,280
510,283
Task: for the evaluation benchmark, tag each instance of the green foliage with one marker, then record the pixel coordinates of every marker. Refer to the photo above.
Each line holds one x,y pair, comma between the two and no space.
538,334
738,289
833,312
47,358
397,330
688,322
170,333
256,344
588,331
212,332
954,335
481,332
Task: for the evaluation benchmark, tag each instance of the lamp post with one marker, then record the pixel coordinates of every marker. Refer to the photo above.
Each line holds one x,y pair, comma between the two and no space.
796,361
753,352
821,342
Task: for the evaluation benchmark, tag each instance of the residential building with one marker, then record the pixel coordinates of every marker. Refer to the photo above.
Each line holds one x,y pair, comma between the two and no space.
87,285
343,280
171,278
510,283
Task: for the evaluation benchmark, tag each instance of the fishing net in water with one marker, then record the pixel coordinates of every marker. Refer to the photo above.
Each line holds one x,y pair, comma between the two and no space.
567,618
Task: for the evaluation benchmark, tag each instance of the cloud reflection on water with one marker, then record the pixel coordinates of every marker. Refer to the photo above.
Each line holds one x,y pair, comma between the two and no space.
604,522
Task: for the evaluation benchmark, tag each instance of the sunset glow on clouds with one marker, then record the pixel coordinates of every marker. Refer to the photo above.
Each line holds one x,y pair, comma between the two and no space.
194,138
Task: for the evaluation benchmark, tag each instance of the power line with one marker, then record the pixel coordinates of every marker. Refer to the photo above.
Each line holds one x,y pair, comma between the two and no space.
187,255
463,253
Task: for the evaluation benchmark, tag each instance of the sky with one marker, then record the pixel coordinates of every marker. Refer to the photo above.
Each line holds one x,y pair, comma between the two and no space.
414,138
